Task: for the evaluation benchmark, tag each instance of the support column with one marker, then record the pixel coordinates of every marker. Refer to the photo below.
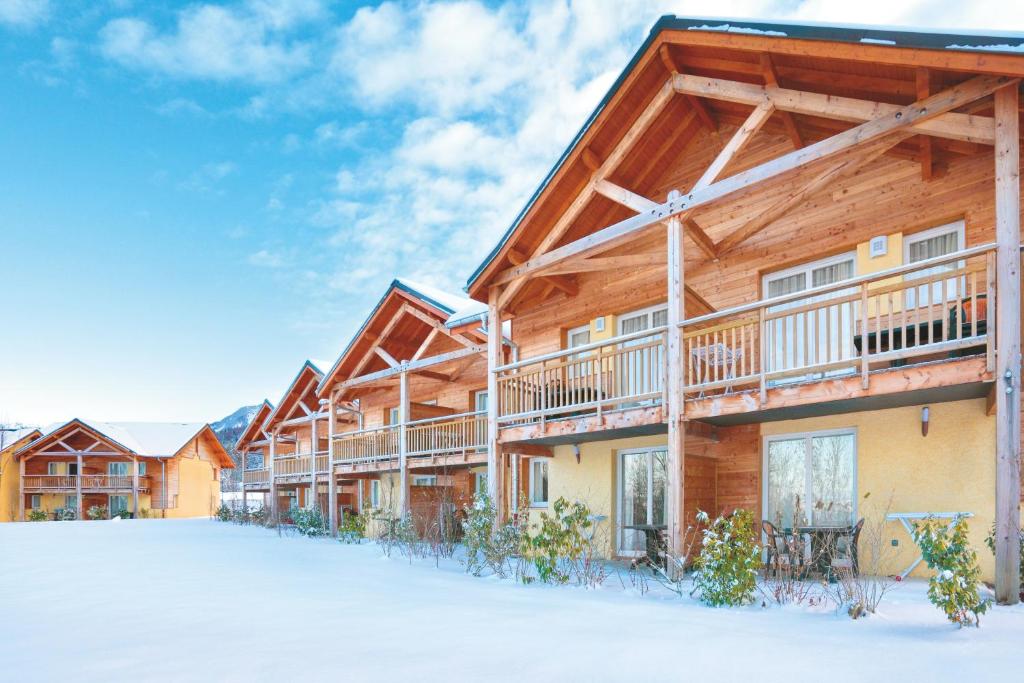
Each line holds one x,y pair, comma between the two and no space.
314,445
21,490
135,487
243,458
332,477
495,483
78,488
1008,360
273,479
403,419
674,386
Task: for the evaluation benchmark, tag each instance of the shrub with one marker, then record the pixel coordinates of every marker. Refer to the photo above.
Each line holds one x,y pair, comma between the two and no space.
36,516
66,515
954,587
259,515
143,513
485,546
224,513
123,514
726,569
990,541
96,512
352,528
308,521
560,541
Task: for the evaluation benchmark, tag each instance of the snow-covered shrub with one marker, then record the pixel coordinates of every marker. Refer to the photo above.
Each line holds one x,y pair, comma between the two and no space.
352,528
224,513
308,521
123,514
726,569
96,512
259,515
954,587
859,590
485,546
66,514
394,532
560,543
36,516
990,541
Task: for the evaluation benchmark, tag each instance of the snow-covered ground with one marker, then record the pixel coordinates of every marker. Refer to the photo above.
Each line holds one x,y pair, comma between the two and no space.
202,600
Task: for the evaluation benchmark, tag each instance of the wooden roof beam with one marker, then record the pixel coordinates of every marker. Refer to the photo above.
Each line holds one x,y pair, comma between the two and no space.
904,118
771,79
588,265
923,78
698,107
569,216
762,112
955,126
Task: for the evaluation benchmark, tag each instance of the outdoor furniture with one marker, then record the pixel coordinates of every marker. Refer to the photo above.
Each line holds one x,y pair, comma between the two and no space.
845,555
898,338
782,548
907,519
654,539
717,355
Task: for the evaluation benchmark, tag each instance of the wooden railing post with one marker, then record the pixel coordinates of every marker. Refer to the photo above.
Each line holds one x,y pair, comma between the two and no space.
78,487
332,479
135,487
1008,354
403,435
21,490
273,475
673,362
864,320
314,444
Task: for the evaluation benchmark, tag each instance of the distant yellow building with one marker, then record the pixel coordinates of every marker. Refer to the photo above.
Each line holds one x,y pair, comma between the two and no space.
145,469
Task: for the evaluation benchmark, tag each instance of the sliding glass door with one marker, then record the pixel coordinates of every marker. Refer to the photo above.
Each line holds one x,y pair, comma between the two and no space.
643,474
810,479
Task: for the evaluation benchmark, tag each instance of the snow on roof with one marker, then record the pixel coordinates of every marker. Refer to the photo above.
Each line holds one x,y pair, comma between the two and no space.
449,302
152,439
7,439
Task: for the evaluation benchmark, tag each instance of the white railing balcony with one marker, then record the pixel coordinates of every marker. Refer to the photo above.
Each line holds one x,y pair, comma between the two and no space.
379,443
447,434
256,476
291,465
89,482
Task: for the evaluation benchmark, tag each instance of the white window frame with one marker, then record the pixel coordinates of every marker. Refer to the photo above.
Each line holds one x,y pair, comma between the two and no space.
647,310
110,503
808,269
480,482
111,467
142,468
36,501
375,493
53,468
619,491
912,297
70,502
807,436
534,503
424,480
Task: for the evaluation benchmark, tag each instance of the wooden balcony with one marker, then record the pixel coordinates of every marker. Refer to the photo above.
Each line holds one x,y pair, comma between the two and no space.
91,483
256,476
427,440
920,327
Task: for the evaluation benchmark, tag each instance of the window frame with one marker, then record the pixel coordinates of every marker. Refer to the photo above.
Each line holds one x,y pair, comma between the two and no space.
375,493
36,501
958,227
418,479
534,503
53,468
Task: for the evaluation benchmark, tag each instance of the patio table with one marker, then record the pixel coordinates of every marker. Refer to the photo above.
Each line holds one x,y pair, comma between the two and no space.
906,519
652,538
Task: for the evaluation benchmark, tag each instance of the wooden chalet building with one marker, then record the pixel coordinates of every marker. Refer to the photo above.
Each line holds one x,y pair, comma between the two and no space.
777,269
146,468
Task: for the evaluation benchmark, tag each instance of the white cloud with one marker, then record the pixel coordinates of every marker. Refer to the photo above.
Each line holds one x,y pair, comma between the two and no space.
24,13
246,42
181,105
265,258
206,180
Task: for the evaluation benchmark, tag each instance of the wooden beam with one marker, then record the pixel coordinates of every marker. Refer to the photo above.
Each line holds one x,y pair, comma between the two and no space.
531,449
623,196
569,216
949,125
695,295
628,229
771,80
495,464
923,79
674,364
612,263
698,107
412,365
425,345
797,197
438,326
701,239
762,112
430,374
1008,358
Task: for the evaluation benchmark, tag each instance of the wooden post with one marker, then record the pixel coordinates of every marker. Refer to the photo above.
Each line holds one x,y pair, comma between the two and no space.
1008,362
21,490
78,488
273,478
332,480
495,485
314,441
135,487
403,419
674,384
243,462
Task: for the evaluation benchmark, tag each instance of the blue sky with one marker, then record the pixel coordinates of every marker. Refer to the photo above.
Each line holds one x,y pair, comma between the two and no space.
198,196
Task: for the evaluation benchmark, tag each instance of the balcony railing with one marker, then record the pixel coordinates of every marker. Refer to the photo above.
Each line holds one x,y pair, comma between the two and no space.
291,465
937,306
90,482
260,476
379,443
623,371
447,434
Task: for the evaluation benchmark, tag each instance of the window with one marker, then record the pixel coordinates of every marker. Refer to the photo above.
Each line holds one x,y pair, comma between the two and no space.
117,504
117,469
945,239
539,482
393,415
480,483
637,373
810,479
375,493
643,477
578,336
71,502
425,480
72,469
142,468
53,468
37,501
480,401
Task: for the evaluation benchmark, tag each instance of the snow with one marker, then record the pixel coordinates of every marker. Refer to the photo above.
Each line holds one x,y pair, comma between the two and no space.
877,41
149,439
1005,47
452,302
188,600
731,28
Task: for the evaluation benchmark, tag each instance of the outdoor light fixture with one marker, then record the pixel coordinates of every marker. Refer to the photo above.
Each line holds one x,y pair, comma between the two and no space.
924,420
576,451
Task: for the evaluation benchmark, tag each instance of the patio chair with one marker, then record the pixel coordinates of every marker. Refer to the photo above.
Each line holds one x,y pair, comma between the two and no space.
782,553
845,555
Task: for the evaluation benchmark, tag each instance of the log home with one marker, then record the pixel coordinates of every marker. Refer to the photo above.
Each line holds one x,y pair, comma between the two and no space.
414,379
777,269
147,469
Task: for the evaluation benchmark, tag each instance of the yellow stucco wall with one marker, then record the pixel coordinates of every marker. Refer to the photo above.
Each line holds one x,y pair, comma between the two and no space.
950,470
591,481
8,486
198,489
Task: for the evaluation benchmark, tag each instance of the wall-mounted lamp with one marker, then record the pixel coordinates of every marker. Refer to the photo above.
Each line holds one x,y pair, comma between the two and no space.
576,452
925,414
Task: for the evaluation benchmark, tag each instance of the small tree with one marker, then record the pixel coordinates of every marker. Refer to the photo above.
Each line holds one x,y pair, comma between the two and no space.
954,587
560,541
309,521
726,569
36,516
224,513
96,512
